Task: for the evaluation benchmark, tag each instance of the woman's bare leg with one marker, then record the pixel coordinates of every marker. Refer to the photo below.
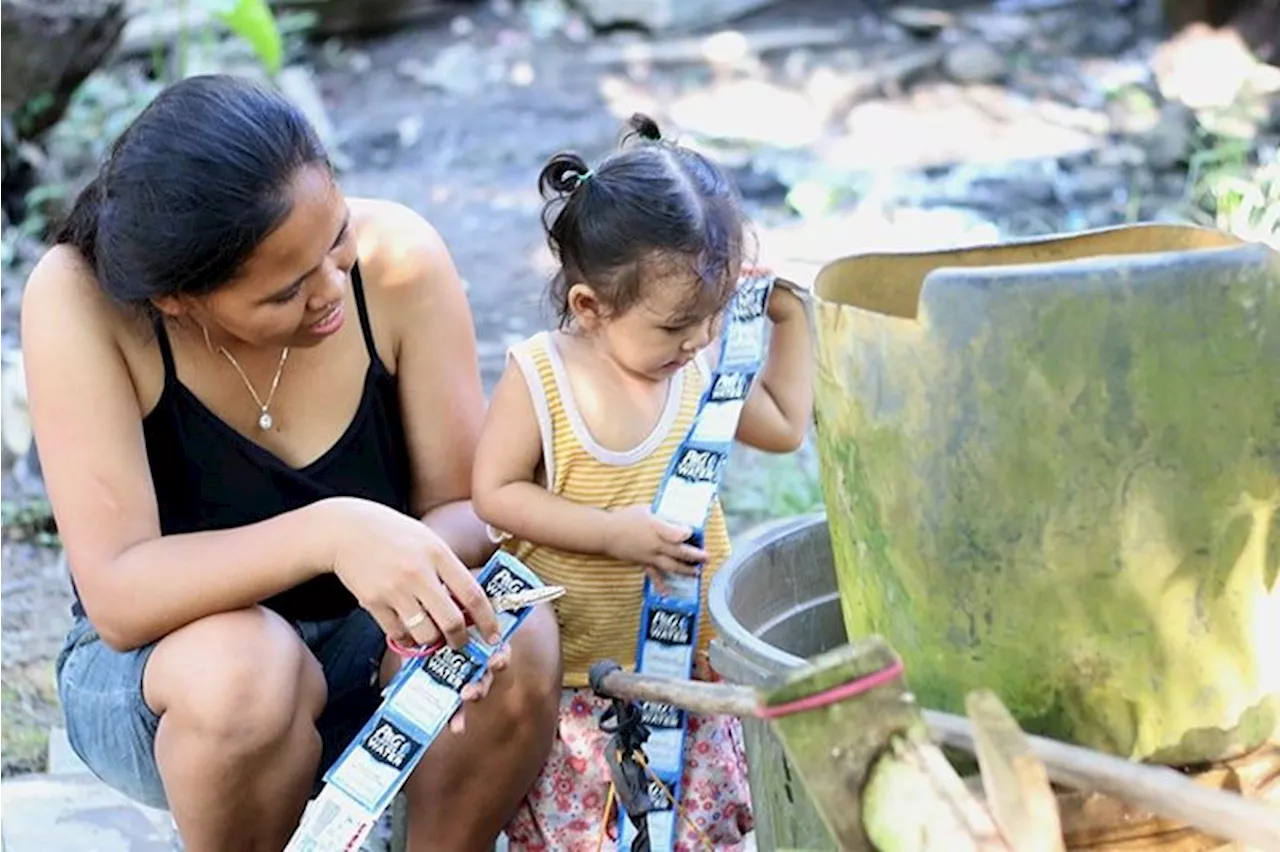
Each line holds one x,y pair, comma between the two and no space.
238,695
469,786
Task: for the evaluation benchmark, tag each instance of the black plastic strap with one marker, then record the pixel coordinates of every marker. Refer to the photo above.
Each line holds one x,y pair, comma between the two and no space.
624,722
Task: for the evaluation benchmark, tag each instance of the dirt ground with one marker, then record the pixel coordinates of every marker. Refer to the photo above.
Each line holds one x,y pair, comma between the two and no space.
477,144
456,119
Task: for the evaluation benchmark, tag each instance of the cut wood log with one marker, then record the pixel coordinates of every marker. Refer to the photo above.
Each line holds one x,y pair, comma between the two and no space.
914,802
834,746
857,738
1014,780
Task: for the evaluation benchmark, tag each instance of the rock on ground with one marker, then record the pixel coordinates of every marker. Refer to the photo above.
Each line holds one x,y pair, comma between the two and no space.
657,15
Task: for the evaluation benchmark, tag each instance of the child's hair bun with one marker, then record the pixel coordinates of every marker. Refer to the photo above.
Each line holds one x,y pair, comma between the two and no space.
645,127
562,174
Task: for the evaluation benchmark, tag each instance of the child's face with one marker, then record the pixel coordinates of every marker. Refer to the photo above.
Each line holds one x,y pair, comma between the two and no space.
660,334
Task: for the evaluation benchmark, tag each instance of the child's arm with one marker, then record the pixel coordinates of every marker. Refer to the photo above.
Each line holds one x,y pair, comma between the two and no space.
776,415
505,495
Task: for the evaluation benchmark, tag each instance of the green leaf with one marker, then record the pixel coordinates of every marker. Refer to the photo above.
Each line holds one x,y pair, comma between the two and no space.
254,22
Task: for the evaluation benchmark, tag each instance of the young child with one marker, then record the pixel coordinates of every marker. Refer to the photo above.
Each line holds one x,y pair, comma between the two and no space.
581,428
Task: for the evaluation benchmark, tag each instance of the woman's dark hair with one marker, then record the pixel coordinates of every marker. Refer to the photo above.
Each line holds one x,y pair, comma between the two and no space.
645,207
190,188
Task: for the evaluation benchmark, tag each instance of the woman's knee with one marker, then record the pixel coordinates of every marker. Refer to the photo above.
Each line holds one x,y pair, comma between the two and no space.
240,679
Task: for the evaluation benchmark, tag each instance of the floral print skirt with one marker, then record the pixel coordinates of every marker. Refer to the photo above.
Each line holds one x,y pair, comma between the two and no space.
564,811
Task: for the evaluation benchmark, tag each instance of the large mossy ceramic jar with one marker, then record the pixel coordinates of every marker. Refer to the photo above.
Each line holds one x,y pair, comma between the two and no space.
1052,468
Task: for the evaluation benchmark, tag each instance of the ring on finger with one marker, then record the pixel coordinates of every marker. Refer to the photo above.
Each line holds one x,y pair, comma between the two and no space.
414,620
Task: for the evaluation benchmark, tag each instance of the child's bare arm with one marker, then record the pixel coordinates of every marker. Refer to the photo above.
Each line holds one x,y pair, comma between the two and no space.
776,415
505,495
503,490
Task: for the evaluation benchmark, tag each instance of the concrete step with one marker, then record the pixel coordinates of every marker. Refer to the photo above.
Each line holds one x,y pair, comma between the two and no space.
78,813
62,760
70,810
75,812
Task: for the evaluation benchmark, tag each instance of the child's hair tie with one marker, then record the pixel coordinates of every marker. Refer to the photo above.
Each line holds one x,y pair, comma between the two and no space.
584,177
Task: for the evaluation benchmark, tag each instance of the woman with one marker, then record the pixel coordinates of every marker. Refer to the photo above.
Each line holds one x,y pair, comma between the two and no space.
256,404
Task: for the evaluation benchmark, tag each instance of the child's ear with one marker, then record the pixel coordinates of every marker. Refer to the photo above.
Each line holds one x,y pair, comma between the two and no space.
585,305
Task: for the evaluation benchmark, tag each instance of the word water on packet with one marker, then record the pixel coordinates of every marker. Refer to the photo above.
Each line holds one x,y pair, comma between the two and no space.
416,707
669,622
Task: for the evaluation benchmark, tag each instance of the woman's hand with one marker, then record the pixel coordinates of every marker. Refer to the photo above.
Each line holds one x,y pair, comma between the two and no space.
635,535
499,660
403,574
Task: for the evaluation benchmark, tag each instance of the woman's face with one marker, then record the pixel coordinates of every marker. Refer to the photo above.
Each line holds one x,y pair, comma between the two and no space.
291,290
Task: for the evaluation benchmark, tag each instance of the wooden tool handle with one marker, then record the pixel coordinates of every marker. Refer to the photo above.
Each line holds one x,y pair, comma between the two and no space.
707,699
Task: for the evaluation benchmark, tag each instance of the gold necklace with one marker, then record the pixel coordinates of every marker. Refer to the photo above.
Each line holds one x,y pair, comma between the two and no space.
265,422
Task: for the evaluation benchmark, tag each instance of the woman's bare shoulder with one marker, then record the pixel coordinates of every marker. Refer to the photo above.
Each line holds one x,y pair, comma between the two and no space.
67,282
62,293
399,249
409,275
61,270
67,317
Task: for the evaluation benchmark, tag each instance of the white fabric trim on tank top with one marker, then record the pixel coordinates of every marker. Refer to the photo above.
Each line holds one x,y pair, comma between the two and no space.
604,455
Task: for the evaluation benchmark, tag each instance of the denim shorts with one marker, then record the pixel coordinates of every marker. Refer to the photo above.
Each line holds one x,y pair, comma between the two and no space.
113,730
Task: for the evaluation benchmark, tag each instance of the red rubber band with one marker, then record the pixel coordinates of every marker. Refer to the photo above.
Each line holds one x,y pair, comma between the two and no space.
831,696
415,651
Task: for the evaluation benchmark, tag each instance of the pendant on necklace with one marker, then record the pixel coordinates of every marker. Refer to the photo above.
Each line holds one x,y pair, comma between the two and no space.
265,422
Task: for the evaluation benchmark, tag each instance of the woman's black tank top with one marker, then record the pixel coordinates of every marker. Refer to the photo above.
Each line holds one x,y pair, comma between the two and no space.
209,477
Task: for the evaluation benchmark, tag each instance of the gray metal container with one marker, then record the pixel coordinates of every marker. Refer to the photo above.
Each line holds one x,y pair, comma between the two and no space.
774,604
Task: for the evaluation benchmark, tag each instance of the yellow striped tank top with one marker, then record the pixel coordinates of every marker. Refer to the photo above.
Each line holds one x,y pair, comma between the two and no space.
600,613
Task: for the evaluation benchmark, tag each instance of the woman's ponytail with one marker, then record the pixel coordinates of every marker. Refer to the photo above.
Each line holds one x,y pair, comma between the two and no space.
80,227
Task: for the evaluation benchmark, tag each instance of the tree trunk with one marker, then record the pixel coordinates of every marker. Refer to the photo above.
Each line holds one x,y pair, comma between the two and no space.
49,47
1257,21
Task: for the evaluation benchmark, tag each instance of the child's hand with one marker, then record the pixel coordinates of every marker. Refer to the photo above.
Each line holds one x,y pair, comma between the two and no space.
784,303
636,536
